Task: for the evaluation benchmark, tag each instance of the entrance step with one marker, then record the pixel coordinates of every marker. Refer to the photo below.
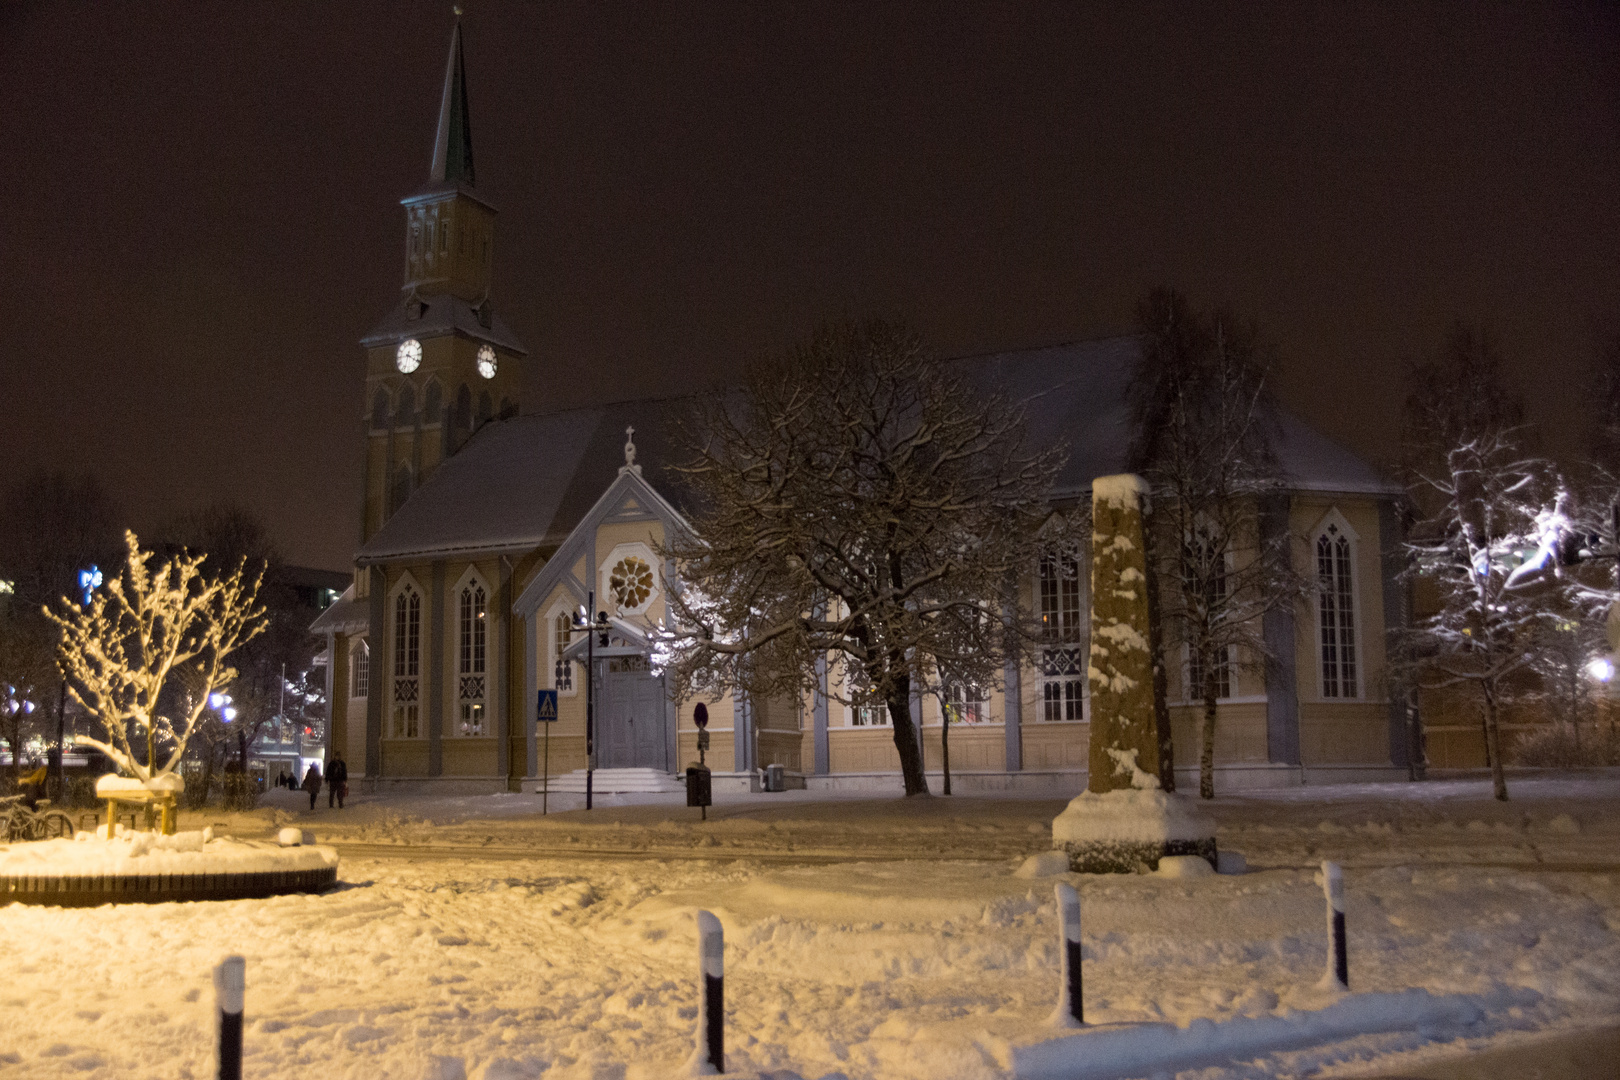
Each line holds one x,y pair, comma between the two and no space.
639,781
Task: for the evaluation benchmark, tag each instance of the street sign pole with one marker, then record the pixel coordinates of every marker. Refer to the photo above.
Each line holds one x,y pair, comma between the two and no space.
545,712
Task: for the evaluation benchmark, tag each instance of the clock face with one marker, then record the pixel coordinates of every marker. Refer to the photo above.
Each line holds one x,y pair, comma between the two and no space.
409,357
486,362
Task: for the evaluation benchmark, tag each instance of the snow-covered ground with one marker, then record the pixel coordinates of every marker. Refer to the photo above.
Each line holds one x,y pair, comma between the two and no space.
865,938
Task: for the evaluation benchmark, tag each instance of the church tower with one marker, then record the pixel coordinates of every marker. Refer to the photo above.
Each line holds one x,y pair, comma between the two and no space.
442,364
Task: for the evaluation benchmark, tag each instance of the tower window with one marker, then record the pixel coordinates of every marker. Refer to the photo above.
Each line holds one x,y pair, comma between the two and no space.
406,417
432,403
444,237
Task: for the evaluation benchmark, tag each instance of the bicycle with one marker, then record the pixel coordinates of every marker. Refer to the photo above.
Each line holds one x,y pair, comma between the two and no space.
18,822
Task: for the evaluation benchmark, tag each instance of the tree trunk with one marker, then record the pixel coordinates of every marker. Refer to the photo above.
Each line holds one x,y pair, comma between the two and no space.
905,738
945,743
1206,755
1493,745
59,782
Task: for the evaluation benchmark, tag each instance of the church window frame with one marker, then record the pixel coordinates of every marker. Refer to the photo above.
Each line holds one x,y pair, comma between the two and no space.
630,575
1339,661
471,611
1061,659
564,675
405,625
360,669
382,409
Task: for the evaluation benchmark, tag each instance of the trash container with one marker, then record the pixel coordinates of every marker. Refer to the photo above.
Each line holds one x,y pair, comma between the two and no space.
699,790
775,777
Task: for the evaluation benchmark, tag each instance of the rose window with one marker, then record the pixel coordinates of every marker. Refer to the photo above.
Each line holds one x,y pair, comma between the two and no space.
631,580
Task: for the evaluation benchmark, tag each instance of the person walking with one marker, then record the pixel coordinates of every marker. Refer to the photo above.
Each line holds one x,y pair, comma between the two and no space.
312,784
337,782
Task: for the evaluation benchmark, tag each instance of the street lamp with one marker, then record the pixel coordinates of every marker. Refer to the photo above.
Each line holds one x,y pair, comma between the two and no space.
597,624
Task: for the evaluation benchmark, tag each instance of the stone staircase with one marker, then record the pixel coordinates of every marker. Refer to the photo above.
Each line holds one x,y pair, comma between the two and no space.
615,781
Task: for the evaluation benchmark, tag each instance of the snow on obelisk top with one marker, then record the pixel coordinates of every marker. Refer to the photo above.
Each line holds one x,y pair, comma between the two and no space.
1125,820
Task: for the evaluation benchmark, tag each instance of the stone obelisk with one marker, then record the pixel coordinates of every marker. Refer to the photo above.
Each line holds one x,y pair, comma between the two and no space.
1125,822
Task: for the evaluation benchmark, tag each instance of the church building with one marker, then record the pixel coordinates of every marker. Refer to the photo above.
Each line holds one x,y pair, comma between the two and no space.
485,530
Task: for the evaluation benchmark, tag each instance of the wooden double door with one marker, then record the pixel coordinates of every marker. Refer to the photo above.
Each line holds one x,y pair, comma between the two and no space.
634,719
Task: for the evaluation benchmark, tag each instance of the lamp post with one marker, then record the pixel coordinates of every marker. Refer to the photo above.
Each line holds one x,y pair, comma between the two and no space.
89,581
593,622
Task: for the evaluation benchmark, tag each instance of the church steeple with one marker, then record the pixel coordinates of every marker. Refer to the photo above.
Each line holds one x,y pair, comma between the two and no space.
450,228
452,147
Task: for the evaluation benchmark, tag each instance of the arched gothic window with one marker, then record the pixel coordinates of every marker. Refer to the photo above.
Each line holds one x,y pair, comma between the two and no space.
562,671
360,668
400,490
1063,660
432,402
407,697
484,408
379,409
462,425
406,416
1336,612
473,638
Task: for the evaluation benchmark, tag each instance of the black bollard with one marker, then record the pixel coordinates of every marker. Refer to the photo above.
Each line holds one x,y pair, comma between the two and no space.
229,985
1071,1003
711,1034
1338,967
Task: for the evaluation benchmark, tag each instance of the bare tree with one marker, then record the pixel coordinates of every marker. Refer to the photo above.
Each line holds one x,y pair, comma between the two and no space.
1491,517
124,650
1204,444
859,502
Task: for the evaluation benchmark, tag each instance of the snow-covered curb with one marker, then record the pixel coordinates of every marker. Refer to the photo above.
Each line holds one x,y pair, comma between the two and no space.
1150,1049
150,854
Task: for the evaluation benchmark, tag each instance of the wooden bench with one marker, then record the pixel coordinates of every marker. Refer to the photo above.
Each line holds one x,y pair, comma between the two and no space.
119,795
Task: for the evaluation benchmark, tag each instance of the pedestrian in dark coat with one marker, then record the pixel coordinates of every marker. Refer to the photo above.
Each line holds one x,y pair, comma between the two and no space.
312,784
337,782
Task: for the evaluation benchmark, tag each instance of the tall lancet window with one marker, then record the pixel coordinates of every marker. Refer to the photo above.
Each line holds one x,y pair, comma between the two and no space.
562,671
471,666
1062,654
407,703
1336,613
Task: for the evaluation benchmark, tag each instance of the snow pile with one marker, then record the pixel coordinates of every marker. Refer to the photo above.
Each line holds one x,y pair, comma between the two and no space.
1136,816
89,855
112,784
1151,1049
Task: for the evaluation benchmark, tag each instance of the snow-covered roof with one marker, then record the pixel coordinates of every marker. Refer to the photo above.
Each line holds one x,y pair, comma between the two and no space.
1077,392
527,480
429,316
345,615
521,481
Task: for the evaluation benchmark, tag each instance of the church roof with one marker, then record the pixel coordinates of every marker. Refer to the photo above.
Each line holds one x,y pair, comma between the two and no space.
443,313
1077,392
524,482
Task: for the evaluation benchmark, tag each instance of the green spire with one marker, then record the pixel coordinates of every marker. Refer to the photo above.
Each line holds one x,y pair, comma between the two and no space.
452,149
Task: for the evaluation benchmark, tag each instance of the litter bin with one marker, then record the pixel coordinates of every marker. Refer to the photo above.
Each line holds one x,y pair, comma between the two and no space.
775,777
699,790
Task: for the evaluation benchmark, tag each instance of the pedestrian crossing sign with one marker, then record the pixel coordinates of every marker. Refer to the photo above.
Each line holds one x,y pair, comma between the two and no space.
547,712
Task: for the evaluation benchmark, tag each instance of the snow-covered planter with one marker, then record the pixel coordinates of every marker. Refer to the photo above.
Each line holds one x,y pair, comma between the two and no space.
144,867
1130,830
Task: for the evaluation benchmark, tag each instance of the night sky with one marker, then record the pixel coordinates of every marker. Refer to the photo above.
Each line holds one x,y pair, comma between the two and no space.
200,212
